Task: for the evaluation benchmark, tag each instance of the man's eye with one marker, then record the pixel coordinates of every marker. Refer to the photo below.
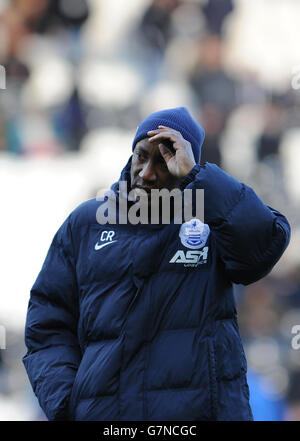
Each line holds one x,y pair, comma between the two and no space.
140,156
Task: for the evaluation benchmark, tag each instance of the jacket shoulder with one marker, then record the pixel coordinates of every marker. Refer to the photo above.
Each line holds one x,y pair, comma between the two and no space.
84,214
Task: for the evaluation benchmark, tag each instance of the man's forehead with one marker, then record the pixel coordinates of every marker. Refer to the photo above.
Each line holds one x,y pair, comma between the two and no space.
149,147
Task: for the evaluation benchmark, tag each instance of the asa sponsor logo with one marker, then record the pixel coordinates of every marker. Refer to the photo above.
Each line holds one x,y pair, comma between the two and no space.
190,258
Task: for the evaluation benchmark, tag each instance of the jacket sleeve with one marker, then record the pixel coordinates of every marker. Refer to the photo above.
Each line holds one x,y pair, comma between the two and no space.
53,354
250,236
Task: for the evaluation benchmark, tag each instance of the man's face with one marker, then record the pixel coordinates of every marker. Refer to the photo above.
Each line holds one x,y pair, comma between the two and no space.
149,169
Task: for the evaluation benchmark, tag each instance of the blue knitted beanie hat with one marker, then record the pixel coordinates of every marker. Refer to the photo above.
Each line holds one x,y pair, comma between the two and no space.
178,119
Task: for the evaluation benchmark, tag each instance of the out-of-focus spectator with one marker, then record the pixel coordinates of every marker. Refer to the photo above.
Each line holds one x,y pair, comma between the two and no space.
250,91
292,299
269,140
293,397
269,172
215,12
215,91
147,43
265,405
30,128
259,312
61,14
70,122
16,24
155,29
210,82
21,18
213,123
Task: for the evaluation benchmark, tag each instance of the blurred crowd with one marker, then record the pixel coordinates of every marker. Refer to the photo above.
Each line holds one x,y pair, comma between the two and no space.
77,71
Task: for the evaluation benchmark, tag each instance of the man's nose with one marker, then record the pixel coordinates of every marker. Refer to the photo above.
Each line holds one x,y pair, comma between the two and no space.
148,172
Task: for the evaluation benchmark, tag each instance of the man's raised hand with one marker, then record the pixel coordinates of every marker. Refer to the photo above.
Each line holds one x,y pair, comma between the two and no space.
182,161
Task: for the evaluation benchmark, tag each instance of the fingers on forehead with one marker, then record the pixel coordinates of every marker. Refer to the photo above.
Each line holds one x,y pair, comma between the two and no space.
163,135
167,128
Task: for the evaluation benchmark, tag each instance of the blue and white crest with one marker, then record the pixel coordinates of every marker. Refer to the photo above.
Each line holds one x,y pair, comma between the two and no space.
194,233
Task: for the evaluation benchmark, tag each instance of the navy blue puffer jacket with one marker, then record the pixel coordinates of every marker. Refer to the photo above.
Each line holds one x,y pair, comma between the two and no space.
115,331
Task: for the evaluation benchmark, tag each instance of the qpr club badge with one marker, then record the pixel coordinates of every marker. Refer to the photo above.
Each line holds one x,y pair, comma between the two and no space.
194,233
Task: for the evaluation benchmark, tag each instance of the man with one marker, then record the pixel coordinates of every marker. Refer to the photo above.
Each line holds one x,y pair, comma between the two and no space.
138,322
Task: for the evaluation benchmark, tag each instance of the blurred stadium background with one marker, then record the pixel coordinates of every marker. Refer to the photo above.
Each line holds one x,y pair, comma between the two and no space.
80,75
